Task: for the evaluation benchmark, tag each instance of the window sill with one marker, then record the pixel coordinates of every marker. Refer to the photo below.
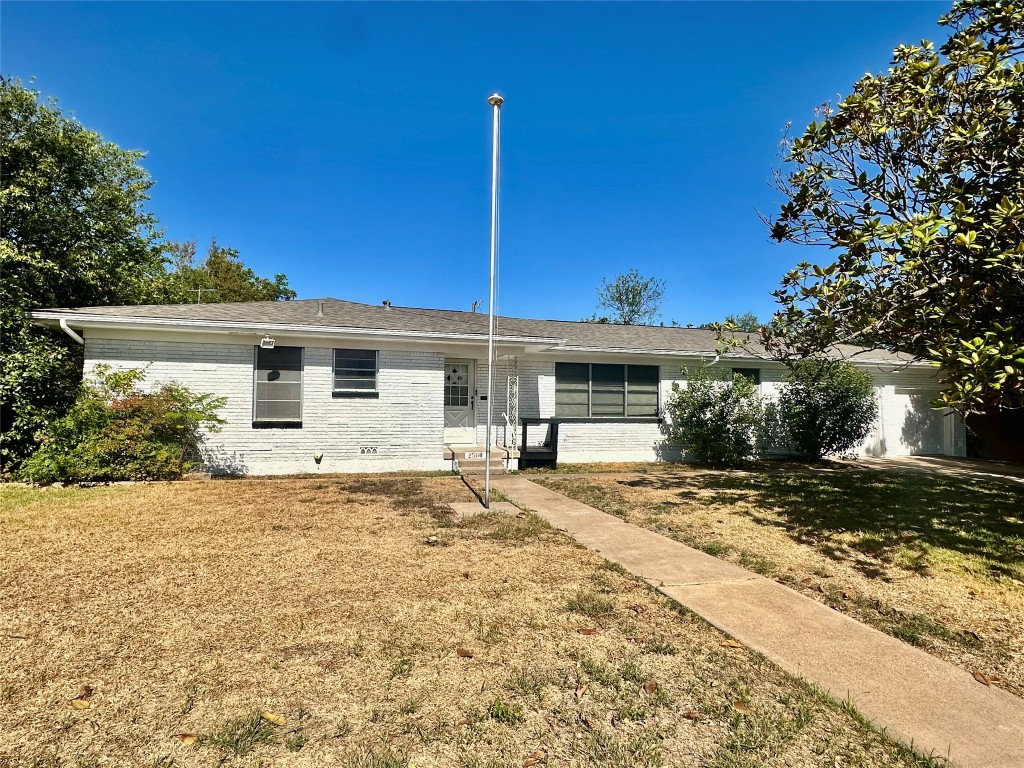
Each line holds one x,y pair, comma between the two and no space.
277,425
355,393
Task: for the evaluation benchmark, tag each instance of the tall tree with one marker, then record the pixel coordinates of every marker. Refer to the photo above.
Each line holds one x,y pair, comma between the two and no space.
915,181
73,231
220,277
631,299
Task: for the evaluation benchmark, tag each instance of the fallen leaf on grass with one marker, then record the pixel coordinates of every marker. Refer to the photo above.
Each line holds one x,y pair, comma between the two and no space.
587,631
691,715
464,653
85,692
637,609
732,644
273,718
188,739
807,582
651,687
80,704
580,691
465,574
535,758
740,707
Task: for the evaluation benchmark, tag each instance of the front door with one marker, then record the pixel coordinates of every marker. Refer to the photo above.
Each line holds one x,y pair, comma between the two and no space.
459,398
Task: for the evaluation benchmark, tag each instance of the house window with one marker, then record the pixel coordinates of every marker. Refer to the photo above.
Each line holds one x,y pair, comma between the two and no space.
355,371
277,399
600,390
754,374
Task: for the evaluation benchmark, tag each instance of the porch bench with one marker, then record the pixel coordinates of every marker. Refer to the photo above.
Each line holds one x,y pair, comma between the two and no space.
545,455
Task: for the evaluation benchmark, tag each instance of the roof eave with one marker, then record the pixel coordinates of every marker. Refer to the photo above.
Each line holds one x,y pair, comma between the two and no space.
50,319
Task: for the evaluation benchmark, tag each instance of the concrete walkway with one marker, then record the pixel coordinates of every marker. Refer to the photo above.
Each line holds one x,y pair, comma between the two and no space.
920,699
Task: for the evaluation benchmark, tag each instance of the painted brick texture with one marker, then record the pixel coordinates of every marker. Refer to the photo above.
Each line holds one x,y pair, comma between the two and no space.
405,424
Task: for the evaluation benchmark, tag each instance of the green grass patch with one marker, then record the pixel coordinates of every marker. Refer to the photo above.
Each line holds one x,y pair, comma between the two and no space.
240,736
590,604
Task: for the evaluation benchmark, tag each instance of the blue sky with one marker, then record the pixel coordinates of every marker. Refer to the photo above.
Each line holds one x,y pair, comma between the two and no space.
347,145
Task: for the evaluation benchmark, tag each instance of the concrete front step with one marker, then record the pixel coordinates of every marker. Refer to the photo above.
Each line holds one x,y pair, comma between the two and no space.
476,453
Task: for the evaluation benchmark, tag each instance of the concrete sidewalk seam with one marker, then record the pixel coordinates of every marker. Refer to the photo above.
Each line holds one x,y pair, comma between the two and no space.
706,582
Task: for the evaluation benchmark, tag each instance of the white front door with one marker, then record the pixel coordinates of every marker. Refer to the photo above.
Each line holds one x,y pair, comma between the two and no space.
459,398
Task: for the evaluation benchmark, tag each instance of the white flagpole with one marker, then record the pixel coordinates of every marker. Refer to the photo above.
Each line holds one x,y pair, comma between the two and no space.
495,101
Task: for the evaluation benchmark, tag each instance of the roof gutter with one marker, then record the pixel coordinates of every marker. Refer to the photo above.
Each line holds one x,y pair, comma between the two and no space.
64,327
722,356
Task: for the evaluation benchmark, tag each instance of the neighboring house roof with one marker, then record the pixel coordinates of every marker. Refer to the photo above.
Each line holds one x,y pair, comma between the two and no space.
339,315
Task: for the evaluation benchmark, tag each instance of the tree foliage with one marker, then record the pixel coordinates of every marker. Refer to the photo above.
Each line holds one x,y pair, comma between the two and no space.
915,181
748,322
719,421
826,408
116,431
630,299
221,276
73,231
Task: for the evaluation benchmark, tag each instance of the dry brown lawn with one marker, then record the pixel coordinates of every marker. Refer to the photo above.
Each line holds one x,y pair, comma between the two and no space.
353,621
937,561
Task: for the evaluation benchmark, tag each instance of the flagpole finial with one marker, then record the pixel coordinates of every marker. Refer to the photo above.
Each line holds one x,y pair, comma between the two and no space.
495,100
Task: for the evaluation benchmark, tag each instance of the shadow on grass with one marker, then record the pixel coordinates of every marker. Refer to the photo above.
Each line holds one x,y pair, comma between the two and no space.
892,514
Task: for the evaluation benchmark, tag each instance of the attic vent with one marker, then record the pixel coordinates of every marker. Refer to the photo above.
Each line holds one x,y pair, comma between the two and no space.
368,450
386,303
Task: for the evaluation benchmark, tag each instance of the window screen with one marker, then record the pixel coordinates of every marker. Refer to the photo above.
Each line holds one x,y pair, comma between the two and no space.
607,390
601,390
642,394
278,395
355,369
572,389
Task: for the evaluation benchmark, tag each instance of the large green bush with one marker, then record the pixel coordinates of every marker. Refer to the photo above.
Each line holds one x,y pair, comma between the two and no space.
116,431
826,408
717,419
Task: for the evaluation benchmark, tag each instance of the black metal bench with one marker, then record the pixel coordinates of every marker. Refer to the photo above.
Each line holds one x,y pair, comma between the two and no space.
545,455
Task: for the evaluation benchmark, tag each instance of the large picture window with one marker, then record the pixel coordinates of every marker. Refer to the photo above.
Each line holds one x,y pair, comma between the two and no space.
355,370
600,390
277,399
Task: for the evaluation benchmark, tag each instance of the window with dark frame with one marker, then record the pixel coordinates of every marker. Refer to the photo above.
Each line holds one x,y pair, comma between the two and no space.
754,374
602,390
277,395
355,370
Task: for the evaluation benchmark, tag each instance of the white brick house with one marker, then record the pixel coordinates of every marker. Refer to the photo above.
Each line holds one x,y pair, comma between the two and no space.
335,386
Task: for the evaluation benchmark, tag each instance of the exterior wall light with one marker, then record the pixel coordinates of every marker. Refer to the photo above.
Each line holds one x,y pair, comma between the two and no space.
267,343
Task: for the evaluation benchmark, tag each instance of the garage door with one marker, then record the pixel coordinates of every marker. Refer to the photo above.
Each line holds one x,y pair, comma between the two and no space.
919,429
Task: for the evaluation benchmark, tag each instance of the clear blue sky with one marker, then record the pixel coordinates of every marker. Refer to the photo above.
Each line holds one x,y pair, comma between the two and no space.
347,145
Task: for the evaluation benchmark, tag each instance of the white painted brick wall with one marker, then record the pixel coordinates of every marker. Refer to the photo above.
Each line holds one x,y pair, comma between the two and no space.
405,424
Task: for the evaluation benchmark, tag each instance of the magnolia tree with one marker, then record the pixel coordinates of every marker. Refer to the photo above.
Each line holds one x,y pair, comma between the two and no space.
914,184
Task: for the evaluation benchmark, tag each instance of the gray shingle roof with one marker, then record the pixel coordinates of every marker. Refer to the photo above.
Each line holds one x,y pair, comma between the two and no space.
353,315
